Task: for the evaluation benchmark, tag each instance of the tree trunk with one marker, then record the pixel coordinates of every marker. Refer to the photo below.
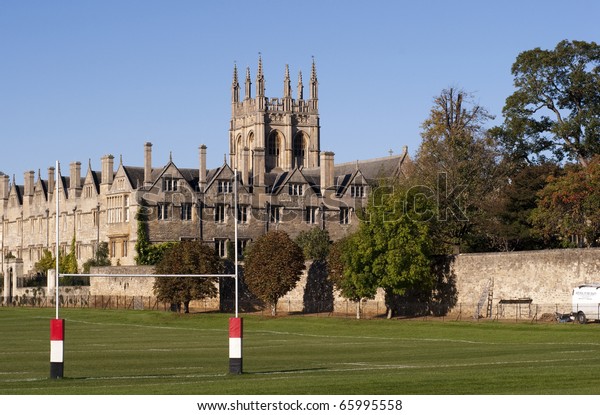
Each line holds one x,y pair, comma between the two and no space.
186,307
273,309
358,309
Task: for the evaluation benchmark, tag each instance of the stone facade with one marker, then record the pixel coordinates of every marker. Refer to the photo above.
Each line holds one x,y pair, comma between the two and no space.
285,182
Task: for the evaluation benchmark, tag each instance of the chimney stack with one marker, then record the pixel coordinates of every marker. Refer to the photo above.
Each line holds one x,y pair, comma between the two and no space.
107,169
326,170
147,164
29,183
75,172
4,188
202,168
51,182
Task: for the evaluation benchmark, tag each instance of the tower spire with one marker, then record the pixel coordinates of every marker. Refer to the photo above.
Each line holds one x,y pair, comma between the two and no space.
287,85
260,79
260,86
235,85
248,90
314,87
300,86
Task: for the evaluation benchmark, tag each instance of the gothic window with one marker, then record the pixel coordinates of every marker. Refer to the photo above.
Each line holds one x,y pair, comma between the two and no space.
186,211
274,214
219,213
273,150
310,214
251,147
238,152
299,149
242,215
163,211
126,208
344,215
221,247
242,244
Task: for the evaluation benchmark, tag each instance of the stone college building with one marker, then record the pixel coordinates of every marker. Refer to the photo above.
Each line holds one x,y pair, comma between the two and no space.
285,182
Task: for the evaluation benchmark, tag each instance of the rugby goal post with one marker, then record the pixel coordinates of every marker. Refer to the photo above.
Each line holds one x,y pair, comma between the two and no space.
57,325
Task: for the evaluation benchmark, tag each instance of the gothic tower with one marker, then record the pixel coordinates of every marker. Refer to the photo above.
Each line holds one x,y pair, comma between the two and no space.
273,134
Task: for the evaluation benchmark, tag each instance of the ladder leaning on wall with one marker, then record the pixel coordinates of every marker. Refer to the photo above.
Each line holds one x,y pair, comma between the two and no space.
487,294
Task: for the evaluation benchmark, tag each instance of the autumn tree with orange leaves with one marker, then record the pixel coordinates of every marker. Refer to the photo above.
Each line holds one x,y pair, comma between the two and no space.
569,206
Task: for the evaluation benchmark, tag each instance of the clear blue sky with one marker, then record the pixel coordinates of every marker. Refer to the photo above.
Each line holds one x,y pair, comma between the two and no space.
82,78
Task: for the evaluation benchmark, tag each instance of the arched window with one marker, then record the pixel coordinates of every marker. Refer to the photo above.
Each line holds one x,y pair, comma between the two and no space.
273,150
251,161
238,152
299,150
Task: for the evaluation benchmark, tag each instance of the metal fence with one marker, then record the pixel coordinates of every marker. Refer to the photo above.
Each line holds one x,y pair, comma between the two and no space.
338,308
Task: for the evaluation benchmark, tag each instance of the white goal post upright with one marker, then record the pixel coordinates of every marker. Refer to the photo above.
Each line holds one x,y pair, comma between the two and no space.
235,323
57,326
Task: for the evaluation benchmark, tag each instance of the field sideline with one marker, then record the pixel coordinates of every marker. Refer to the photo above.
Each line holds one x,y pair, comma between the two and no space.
150,352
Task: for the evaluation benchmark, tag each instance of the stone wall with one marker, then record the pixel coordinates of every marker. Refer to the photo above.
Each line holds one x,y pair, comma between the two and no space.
134,286
124,286
547,277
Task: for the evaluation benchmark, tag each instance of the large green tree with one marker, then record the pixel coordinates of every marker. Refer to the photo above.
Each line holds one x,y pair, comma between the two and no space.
457,164
350,277
508,224
190,258
392,248
272,267
314,243
555,109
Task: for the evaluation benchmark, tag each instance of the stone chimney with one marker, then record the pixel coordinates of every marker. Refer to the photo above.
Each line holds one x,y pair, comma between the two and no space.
202,168
4,187
29,183
75,173
51,182
259,167
327,176
147,164
107,169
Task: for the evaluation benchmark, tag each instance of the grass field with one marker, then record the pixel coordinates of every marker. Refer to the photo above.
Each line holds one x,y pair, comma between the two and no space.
149,352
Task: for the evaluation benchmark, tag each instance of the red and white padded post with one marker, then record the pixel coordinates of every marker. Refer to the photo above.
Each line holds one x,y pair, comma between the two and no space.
235,345
57,340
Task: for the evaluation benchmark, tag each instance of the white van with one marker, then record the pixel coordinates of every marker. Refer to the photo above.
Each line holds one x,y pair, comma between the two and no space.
586,302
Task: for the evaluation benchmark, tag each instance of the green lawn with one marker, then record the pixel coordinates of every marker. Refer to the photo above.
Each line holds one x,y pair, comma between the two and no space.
150,352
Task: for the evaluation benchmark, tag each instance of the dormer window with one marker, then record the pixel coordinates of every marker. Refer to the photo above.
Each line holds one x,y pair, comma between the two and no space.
296,189
224,186
170,184
357,191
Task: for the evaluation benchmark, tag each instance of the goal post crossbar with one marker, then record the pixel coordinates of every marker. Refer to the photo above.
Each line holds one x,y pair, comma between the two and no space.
152,275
